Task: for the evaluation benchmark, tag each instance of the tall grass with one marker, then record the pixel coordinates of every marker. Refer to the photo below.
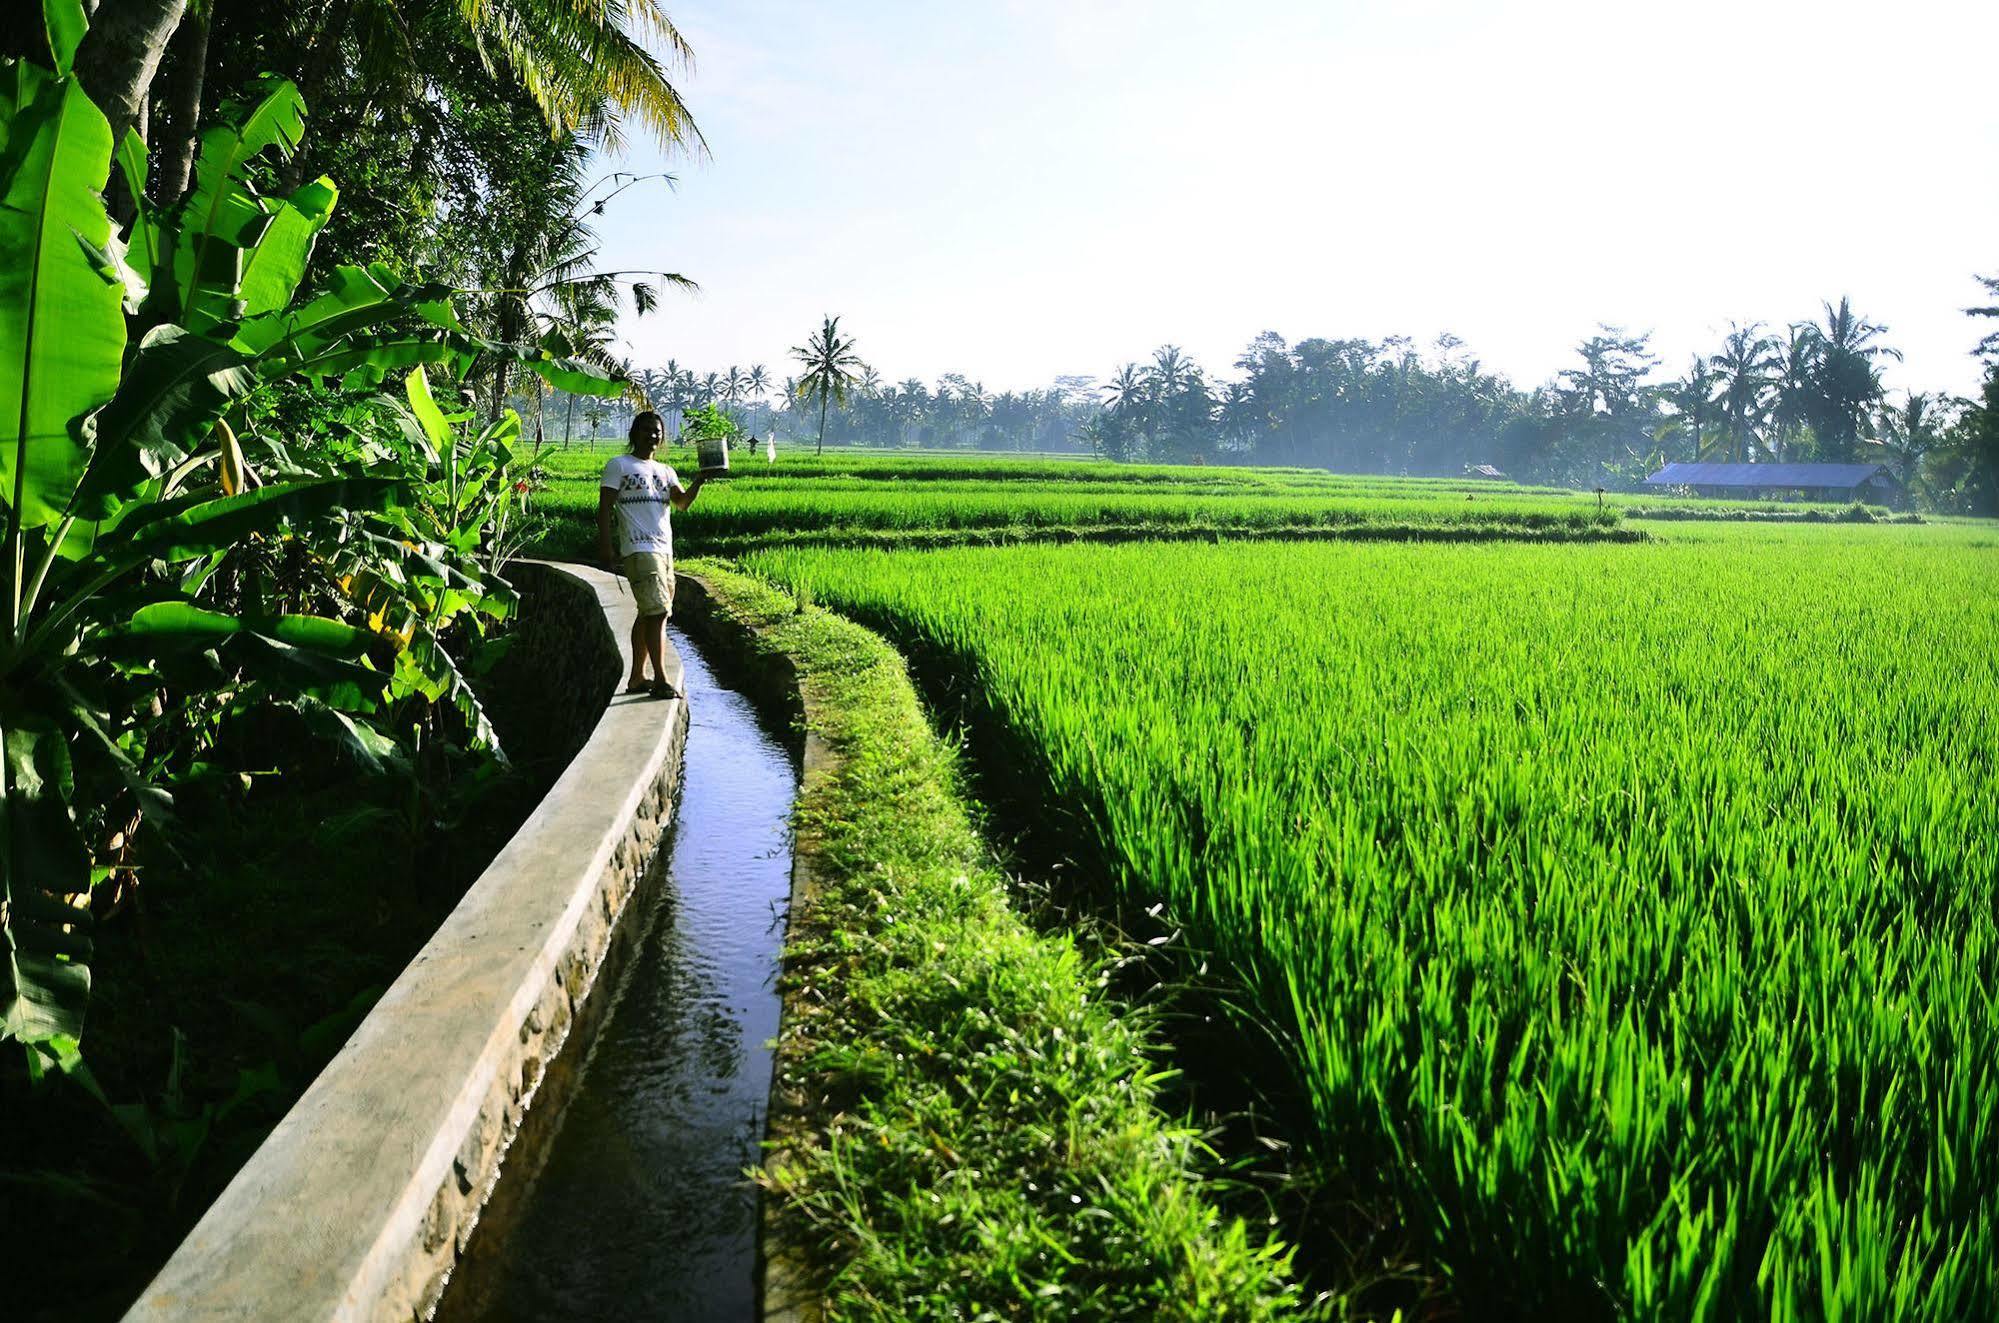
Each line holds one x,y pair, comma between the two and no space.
1630,910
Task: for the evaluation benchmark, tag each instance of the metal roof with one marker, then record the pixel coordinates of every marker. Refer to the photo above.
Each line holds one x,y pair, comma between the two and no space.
1484,471
1768,475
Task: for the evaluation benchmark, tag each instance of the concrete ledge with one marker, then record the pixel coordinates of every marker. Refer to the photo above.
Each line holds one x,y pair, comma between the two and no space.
360,1202
787,1288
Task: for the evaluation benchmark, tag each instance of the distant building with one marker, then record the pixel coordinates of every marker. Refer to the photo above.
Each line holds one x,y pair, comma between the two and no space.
1810,482
1484,471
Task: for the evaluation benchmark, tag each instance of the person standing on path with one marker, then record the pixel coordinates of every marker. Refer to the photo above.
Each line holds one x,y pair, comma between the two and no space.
635,492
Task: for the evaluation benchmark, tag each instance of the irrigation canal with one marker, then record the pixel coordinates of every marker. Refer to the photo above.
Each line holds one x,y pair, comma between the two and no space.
633,1203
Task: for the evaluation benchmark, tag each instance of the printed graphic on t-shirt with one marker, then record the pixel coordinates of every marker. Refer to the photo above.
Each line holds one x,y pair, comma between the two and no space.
644,496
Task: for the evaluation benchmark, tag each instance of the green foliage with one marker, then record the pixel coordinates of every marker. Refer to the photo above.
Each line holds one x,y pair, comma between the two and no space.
64,25
155,583
708,423
1629,911
61,325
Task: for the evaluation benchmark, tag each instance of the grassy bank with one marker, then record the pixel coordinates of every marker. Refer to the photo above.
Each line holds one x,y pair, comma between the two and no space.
980,1136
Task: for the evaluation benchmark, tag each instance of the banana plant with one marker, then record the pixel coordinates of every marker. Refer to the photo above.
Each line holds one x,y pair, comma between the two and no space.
126,363
432,563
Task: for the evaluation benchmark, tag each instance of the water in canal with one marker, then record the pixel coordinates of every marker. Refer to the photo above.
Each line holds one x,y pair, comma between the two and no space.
639,1208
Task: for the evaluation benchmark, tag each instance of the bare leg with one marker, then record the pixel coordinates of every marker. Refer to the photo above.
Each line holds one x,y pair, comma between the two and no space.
638,677
655,644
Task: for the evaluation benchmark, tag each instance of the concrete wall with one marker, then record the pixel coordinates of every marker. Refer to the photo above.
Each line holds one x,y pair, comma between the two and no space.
362,1199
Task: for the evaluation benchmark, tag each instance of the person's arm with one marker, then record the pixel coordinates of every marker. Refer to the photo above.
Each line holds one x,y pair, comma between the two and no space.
682,497
607,499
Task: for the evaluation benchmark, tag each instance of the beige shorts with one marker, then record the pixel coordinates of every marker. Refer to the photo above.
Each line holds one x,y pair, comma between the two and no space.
651,575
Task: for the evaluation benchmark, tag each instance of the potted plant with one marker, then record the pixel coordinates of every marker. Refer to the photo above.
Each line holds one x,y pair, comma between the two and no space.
712,433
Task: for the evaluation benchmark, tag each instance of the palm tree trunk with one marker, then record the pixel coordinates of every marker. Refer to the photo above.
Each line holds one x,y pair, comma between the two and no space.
184,107
822,422
499,387
122,53
322,55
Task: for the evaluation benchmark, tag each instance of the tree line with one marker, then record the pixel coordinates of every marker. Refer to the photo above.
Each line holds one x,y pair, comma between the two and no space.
1807,390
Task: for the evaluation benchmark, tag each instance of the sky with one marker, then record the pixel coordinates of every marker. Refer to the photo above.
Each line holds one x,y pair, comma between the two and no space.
1016,189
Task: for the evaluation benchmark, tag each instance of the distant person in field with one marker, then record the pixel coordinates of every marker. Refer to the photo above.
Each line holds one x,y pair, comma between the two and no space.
634,493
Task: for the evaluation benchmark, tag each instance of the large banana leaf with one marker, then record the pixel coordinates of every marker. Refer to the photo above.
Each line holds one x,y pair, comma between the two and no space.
296,654
44,982
180,621
144,239
572,375
65,24
271,276
181,530
426,668
176,388
292,670
355,299
424,405
367,364
62,327
223,216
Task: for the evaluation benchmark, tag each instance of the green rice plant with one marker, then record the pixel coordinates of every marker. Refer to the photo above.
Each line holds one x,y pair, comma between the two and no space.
1630,913
942,501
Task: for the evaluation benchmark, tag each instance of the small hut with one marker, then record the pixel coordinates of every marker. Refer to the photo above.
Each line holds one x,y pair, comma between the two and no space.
1808,482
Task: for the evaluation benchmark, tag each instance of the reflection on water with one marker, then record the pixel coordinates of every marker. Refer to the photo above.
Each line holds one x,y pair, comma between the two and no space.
641,1209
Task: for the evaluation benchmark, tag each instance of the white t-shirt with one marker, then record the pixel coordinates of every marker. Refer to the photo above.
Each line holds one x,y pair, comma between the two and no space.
645,494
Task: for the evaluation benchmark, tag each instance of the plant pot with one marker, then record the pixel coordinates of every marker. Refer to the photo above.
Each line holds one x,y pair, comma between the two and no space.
712,452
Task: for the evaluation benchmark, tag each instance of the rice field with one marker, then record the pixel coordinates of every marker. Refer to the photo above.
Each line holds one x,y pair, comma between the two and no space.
923,501
1630,913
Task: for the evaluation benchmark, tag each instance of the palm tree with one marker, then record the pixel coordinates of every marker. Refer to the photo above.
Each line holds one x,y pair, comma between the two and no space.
759,381
830,369
588,66
1692,398
1989,345
1908,433
1126,389
1746,369
1845,382
1128,403
1796,366
733,382
541,282
1171,370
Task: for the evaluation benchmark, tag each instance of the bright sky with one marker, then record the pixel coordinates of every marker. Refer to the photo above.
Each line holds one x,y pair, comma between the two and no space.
1014,189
